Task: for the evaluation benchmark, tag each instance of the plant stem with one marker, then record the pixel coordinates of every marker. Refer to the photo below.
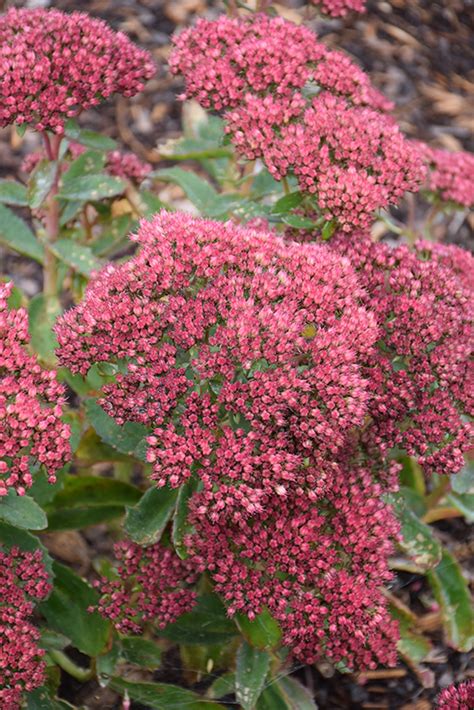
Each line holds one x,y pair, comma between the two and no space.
441,513
286,187
64,662
438,493
50,286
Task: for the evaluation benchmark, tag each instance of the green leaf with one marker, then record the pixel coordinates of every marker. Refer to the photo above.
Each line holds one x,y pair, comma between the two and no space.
89,163
286,694
418,541
412,475
124,438
224,685
452,594
66,611
464,503
41,182
251,671
91,139
147,520
287,203
89,500
207,623
114,235
298,222
94,491
11,536
181,526
42,315
413,646
91,188
463,482
328,229
40,699
199,191
22,512
161,696
16,235
193,149
80,257
13,193
263,632
142,652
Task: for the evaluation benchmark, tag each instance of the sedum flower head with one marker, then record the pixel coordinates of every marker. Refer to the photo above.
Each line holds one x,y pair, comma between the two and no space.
241,353
340,8
54,65
450,174
422,375
31,404
153,585
245,357
457,697
303,109
23,580
317,567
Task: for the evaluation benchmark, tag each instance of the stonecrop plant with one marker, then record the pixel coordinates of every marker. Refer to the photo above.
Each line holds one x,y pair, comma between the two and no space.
265,402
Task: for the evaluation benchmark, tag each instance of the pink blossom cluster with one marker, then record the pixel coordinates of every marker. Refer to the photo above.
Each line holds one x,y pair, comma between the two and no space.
339,8
153,585
54,65
23,579
127,165
450,174
422,377
457,697
317,568
303,109
244,355
31,404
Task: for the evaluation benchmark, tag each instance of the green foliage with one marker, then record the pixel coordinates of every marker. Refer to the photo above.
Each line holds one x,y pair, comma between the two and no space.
41,182
251,671
263,632
207,623
89,500
15,234
13,193
146,521
67,610
42,314
161,696
452,594
418,541
22,512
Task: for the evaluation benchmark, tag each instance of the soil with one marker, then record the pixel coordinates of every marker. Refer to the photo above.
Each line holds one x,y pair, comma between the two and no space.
420,54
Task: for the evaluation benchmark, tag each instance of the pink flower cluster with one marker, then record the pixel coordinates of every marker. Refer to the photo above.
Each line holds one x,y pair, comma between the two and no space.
23,579
457,697
245,356
31,402
317,568
339,8
127,165
242,353
153,585
422,378
54,65
303,109
450,174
